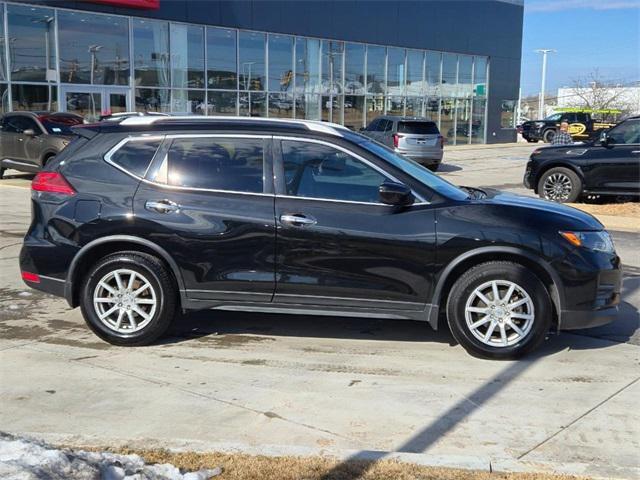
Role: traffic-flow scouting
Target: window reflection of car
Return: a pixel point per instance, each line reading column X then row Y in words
column 28, row 140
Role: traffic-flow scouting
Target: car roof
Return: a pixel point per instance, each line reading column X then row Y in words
column 193, row 122
column 405, row 118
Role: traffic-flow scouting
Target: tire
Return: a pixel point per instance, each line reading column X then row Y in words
column 528, row 288
column 2, row 170
column 560, row 185
column 548, row 135
column 158, row 300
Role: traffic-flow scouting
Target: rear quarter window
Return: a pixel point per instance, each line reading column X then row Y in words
column 135, row 155
column 418, row 128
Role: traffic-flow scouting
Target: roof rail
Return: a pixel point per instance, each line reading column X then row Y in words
column 313, row 125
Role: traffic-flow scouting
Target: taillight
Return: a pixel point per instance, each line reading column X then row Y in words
column 396, row 139
column 30, row 277
column 52, row 182
column 441, row 138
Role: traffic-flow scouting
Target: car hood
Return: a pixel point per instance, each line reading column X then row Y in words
column 562, row 216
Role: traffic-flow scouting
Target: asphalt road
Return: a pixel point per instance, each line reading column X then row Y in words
column 277, row 384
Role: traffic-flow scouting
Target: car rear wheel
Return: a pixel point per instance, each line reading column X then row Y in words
column 560, row 185
column 499, row 310
column 548, row 136
column 129, row 299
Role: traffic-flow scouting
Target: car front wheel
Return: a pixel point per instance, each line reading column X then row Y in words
column 499, row 310
column 560, row 185
column 129, row 298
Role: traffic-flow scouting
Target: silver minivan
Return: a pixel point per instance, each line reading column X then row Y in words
column 414, row 137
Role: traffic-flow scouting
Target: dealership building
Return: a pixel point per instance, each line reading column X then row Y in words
column 455, row 62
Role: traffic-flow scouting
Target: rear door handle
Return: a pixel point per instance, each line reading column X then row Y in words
column 297, row 220
column 635, row 151
column 162, row 206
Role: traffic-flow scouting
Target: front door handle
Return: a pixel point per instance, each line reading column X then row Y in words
column 162, row 206
column 635, row 151
column 297, row 220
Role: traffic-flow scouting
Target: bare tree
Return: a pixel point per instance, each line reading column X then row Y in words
column 595, row 93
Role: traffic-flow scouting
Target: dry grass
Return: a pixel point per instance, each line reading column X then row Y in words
column 250, row 467
column 630, row 209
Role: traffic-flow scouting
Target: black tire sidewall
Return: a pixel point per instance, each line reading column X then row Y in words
column 161, row 318
column 513, row 272
column 576, row 183
column 548, row 135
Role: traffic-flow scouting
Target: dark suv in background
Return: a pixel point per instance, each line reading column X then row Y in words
column 609, row 166
column 138, row 219
column 28, row 140
column 413, row 137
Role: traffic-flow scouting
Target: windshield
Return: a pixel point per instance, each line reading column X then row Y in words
column 417, row 171
column 60, row 124
column 555, row 117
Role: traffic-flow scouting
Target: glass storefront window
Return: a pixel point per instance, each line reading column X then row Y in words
column 374, row 107
column 151, row 53
column 332, row 53
column 376, row 69
column 221, row 103
column 354, row 112
column 480, row 77
column 152, row 100
column 307, row 106
column 507, row 114
column 477, row 120
column 187, row 56
column 32, row 46
column 251, row 61
column 307, row 66
column 3, row 57
column 221, row 59
column 395, row 71
column 252, row 104
column 463, row 118
column 280, row 64
column 432, row 108
column 415, row 64
column 413, row 107
column 449, row 74
column 4, row 98
column 332, row 108
column 354, row 69
column 188, row 101
column 465, row 66
column 34, row 97
column 447, row 112
column 281, row 105
column 433, row 61
column 96, row 48
column 395, row 105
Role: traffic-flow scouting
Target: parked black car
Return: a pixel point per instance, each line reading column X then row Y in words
column 607, row 166
column 28, row 140
column 581, row 127
column 141, row 218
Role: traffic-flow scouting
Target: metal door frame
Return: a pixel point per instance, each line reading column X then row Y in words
column 103, row 90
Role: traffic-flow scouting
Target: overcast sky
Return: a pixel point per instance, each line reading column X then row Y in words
column 587, row 34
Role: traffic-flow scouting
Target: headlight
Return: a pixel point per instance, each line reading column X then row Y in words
column 596, row 241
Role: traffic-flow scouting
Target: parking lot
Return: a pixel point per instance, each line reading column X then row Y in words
column 277, row 384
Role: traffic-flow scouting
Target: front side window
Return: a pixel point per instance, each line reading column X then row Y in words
column 626, row 133
column 19, row 124
column 135, row 155
column 319, row 171
column 233, row 164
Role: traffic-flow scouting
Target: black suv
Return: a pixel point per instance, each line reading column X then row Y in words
column 139, row 219
column 608, row 166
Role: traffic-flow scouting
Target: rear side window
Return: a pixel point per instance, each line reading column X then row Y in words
column 418, row 128
column 135, row 155
column 233, row 164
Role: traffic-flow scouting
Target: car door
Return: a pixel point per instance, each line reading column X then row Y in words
column 8, row 136
column 615, row 167
column 209, row 202
column 27, row 147
column 337, row 245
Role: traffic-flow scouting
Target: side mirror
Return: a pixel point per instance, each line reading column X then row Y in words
column 29, row 132
column 393, row 193
column 604, row 138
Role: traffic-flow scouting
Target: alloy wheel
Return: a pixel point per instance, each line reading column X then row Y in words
column 499, row 313
column 125, row 301
column 557, row 187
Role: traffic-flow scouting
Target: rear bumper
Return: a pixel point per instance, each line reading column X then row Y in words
column 430, row 158
column 53, row 286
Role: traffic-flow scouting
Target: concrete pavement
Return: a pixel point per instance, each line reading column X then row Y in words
column 279, row 384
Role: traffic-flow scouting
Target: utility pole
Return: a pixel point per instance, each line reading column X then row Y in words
column 544, row 52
